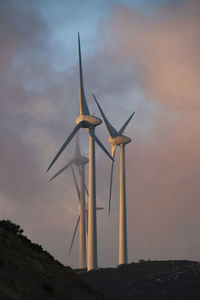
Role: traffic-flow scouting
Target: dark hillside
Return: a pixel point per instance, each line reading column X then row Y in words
column 149, row 280
column 27, row 272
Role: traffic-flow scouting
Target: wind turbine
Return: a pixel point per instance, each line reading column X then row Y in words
column 86, row 210
column 118, row 139
column 80, row 161
column 77, row 223
column 85, row 120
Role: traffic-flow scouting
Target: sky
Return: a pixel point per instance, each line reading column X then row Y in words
column 140, row 56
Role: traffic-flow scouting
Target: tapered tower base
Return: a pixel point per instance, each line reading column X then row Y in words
column 82, row 256
column 123, row 253
column 92, row 226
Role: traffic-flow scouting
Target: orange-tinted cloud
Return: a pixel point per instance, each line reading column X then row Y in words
column 163, row 166
column 145, row 62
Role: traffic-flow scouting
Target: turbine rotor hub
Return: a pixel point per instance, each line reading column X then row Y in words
column 90, row 121
column 119, row 140
column 79, row 208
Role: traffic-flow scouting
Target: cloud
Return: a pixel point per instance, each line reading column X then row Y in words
column 146, row 62
column 163, row 48
column 162, row 164
column 30, row 91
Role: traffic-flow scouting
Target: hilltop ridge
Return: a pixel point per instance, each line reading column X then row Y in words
column 27, row 272
column 149, row 280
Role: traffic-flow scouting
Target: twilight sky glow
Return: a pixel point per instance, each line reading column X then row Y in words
column 140, row 56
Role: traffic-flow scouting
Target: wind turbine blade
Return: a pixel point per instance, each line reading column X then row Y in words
column 113, row 147
column 99, row 143
column 125, row 124
column 65, row 144
column 62, row 170
column 79, row 170
column 76, row 183
column 111, row 179
column 75, row 230
column 112, row 131
column 77, row 147
column 99, row 208
column 86, row 189
column 83, row 104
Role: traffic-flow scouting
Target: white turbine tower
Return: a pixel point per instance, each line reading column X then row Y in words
column 118, row 139
column 80, row 161
column 85, row 120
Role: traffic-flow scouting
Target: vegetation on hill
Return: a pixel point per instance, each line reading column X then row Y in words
column 18, row 231
column 149, row 280
column 27, row 272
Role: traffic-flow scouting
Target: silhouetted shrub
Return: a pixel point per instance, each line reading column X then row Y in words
column 142, row 261
column 11, row 227
column 17, row 230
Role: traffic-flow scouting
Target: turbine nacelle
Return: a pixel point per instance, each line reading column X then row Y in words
column 89, row 121
column 119, row 140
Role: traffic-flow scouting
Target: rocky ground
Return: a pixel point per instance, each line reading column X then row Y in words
column 27, row 272
column 149, row 280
